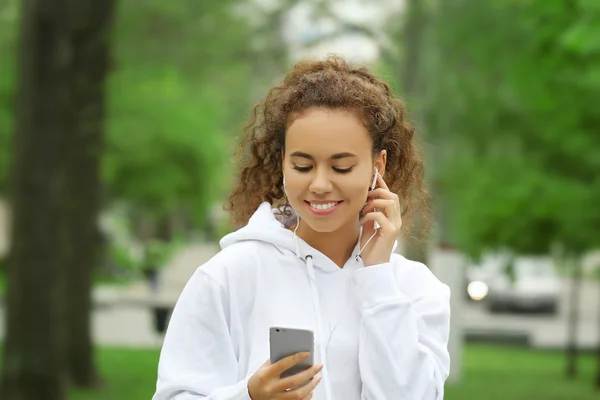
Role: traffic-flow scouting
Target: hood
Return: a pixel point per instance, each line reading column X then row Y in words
column 266, row 225
column 269, row 225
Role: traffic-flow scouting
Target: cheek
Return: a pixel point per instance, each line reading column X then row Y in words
column 357, row 192
column 296, row 185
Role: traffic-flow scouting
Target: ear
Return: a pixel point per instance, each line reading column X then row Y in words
column 380, row 162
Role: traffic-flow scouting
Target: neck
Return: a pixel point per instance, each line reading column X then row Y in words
column 337, row 245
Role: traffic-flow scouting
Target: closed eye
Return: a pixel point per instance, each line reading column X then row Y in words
column 308, row 168
column 343, row 170
column 302, row 169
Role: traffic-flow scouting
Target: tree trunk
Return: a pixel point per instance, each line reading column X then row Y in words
column 440, row 130
column 90, row 69
column 573, row 319
column 415, row 245
column 32, row 360
column 55, row 198
column 597, row 383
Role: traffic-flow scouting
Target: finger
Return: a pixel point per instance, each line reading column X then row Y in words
column 387, row 227
column 286, row 363
column 382, row 193
column 304, row 391
column 381, row 183
column 390, row 208
column 299, row 378
column 368, row 229
column 382, row 204
column 308, row 397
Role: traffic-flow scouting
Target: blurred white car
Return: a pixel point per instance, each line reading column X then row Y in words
column 480, row 275
column 504, row 283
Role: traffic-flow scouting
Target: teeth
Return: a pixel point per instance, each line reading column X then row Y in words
column 323, row 206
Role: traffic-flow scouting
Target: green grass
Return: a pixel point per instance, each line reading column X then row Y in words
column 126, row 374
column 503, row 373
column 490, row 373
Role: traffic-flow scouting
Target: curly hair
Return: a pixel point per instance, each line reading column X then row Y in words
column 331, row 84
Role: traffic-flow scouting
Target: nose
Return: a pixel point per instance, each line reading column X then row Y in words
column 321, row 183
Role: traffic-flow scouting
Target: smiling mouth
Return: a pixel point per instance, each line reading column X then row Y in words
column 323, row 206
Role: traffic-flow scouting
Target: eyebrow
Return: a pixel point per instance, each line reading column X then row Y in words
column 336, row 156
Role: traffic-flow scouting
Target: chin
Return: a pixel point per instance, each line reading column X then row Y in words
column 321, row 226
column 325, row 225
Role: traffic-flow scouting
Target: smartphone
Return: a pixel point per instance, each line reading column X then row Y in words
column 288, row 341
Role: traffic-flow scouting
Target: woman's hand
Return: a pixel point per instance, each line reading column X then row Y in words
column 382, row 206
column 266, row 383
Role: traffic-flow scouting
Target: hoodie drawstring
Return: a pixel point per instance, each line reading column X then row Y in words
column 315, row 298
column 322, row 344
column 296, row 236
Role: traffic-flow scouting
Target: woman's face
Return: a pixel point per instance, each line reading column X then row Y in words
column 328, row 167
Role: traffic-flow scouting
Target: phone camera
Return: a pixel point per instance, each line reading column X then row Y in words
column 276, row 330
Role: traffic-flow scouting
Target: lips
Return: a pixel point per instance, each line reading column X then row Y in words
column 322, row 208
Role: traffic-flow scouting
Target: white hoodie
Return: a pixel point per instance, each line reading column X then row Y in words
column 383, row 328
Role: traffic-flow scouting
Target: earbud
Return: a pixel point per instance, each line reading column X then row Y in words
column 284, row 188
column 375, row 178
column 375, row 224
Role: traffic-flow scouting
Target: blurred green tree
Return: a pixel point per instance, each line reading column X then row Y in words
column 415, row 25
column 512, row 113
column 181, row 81
column 9, row 18
column 91, row 41
column 54, row 188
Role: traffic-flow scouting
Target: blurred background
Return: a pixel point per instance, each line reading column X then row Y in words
column 118, row 122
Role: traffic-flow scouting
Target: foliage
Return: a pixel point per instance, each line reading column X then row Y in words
column 122, row 257
column 126, row 265
column 512, row 118
column 8, row 34
column 158, row 253
column 165, row 142
column 179, row 85
column 126, row 256
column 174, row 92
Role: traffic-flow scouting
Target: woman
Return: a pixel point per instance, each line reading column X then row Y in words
column 310, row 256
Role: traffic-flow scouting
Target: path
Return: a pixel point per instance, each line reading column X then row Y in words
column 122, row 316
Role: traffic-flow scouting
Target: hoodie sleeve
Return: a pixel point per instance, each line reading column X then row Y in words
column 197, row 359
column 402, row 342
